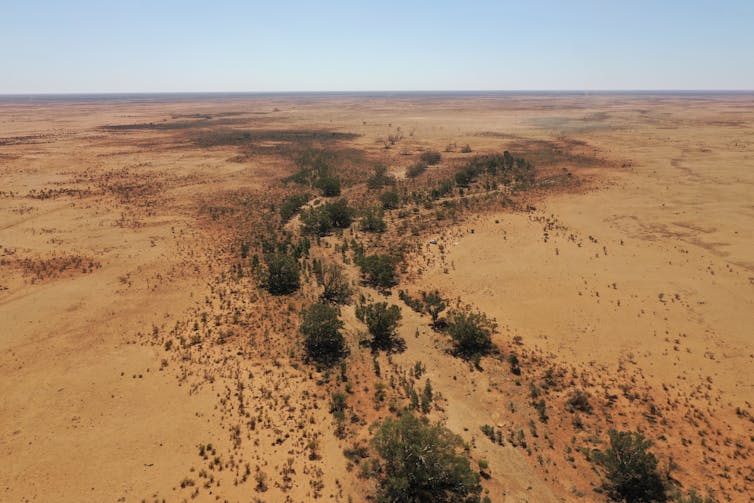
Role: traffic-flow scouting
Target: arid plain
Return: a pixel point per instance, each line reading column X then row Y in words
column 140, row 360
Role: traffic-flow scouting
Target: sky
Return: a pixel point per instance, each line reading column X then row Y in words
column 88, row 46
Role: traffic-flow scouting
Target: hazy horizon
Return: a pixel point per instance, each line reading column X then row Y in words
column 230, row 46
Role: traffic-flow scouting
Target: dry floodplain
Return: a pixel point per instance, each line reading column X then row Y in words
column 147, row 355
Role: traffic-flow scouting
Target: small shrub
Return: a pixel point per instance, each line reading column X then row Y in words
column 416, row 169
column 390, row 200
column 579, row 401
column 431, row 157
column 372, row 221
column 380, row 178
column 338, row 405
column 471, row 333
column 282, row 274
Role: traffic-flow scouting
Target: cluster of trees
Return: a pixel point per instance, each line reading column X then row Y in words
column 314, row 170
column 323, row 219
column 291, row 205
column 504, row 167
column 378, row 270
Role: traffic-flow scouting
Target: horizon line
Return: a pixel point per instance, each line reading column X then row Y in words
column 383, row 91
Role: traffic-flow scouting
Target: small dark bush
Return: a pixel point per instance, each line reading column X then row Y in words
column 282, row 274
column 322, row 338
column 579, row 401
column 416, row 169
column 430, row 158
column 372, row 221
column 390, row 200
column 471, row 333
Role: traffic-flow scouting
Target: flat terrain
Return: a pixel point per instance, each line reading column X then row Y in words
column 129, row 340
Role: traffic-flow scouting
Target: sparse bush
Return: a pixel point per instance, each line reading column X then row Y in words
column 431, row 157
column 282, row 274
column 381, row 321
column 291, row 205
column 322, row 338
column 390, row 200
column 471, row 332
column 434, row 304
column 338, row 405
column 372, row 221
column 316, row 221
column 335, row 284
column 579, row 401
column 423, row 462
column 380, row 178
column 630, row 469
column 416, row 169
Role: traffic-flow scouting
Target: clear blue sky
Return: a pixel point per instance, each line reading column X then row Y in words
column 232, row 45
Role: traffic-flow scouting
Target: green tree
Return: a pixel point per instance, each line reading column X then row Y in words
column 378, row 270
column 282, row 274
column 340, row 213
column 329, row 185
column 320, row 327
column 630, row 469
column 381, row 321
column 316, row 221
column 423, row 462
column 471, row 332
column 291, row 205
